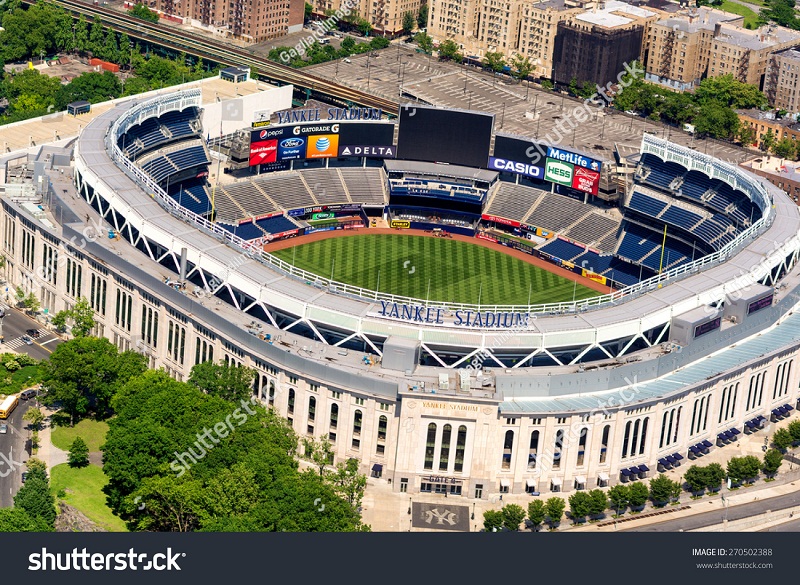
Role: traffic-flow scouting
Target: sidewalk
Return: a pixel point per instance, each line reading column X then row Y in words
column 48, row 452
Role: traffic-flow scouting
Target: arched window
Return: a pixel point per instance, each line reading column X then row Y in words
column 534, row 450
column 271, row 392
column 582, row 446
column 644, row 435
column 626, row 439
column 334, row 415
column 444, row 450
column 508, row 447
column 312, row 408
column 557, row 450
column 430, row 446
column 461, row 445
column 604, row 443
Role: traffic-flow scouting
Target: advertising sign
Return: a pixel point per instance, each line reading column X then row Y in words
column 516, row 167
column 322, row 146
column 400, row 223
column 368, row 150
column 292, row 148
column 323, row 215
column 558, row 172
column 586, row 180
column 498, row 219
column 593, row 276
column 263, row 152
column 573, row 158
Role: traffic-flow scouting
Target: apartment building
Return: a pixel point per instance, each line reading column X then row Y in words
column 248, row 20
column 699, row 43
column 782, row 87
column 594, row 45
column 386, row 16
column 764, row 121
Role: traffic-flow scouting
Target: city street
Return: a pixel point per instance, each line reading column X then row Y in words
column 13, row 453
column 16, row 324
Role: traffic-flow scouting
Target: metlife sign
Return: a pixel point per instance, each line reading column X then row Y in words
column 573, row 158
column 516, row 167
column 558, row 172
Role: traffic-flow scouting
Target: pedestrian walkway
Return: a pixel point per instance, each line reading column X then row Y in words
column 48, row 452
column 40, row 336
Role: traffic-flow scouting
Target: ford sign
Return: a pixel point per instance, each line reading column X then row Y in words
column 292, row 143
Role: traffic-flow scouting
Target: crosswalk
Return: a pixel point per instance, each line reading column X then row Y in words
column 17, row 342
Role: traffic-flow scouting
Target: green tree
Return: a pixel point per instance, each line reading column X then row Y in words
column 142, row 12
column 448, row 51
column 309, row 10
column 619, row 498
column 555, row 507
column 82, row 34
column 19, row 520
column 424, row 42
column 35, row 465
column 696, row 478
column 638, row 493
column 768, row 141
column 782, row 439
column 784, row 148
column 347, row 482
column 34, row 497
column 661, row 489
column 773, row 459
column 124, row 55
column 493, row 60
column 746, row 135
column 715, row 475
column 537, row 512
column 364, row 27
column 34, row 417
column 347, row 45
column 492, row 520
column 97, row 37
column 409, row 21
column 794, row 430
column 93, row 87
column 521, row 66
column 320, row 452
column 729, row 91
column 422, row 16
column 110, row 46
column 743, row 468
column 716, row 120
column 230, row 382
column 32, row 303
column 547, row 85
column 88, row 371
column 580, row 504
column 375, row 44
column 598, row 502
column 513, row 515
column 78, row 453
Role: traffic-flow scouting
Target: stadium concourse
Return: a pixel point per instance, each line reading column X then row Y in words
column 697, row 350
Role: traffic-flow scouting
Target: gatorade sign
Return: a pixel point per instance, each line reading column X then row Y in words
column 558, row 172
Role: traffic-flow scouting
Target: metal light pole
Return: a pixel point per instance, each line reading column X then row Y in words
column 503, row 115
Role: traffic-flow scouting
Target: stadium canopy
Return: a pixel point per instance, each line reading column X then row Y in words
column 439, row 170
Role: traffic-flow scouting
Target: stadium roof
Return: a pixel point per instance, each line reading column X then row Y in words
column 443, row 170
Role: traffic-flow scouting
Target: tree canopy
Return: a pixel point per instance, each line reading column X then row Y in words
column 230, row 382
column 199, row 462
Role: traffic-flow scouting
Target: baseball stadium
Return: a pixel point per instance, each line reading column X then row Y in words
column 464, row 311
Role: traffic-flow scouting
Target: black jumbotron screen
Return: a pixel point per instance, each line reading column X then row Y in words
column 436, row 135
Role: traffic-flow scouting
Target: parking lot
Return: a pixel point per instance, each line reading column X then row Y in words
column 402, row 74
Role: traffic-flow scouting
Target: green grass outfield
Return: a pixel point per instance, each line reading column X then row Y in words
column 458, row 272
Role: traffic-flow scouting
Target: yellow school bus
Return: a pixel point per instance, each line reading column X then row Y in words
column 8, row 405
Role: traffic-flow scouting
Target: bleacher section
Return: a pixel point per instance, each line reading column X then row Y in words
column 365, row 185
column 658, row 173
column 163, row 165
column 645, row 204
column 326, row 185
column 193, row 195
column 287, row 190
column 593, row 228
column 244, row 199
column 155, row 131
column 681, row 217
column 643, row 246
column 513, row 201
column 276, row 225
column 562, row 249
column 556, row 212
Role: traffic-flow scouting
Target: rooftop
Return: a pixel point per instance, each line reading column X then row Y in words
column 612, row 14
column 701, row 19
column 774, row 165
column 762, row 38
column 769, row 116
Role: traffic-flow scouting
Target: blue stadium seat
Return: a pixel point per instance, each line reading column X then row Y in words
column 562, row 249
column 276, row 225
column 647, row 205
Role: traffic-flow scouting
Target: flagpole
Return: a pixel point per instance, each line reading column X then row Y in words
column 663, row 245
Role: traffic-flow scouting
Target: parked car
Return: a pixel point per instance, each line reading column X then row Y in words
column 24, row 476
column 3, row 429
column 34, row 333
column 27, row 394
